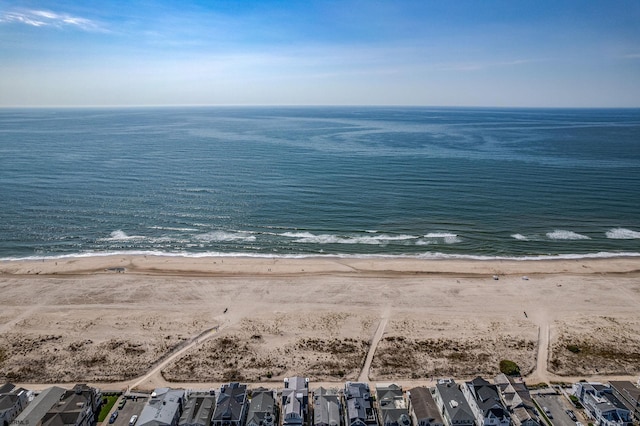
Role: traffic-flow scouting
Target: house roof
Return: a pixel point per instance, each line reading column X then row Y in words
column 295, row 397
column 359, row 402
column 389, row 396
column 615, row 401
column 487, row 397
column 261, row 408
column 424, row 407
column 72, row 408
column 326, row 407
column 455, row 404
column 396, row 416
column 230, row 403
column 6, row 388
column 627, row 389
column 198, row 409
column 162, row 408
column 41, row 404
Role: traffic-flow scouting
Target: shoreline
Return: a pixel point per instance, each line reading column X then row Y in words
column 275, row 266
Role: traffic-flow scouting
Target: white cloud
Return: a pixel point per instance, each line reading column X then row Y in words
column 46, row 18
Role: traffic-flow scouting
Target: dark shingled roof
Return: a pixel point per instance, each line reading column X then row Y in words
column 424, row 407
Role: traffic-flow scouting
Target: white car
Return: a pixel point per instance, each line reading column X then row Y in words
column 133, row 420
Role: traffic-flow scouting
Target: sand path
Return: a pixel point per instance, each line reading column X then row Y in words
column 364, row 373
column 541, row 373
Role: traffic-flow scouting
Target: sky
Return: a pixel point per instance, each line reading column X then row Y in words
column 503, row 53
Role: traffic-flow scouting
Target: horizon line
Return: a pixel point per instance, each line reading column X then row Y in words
column 116, row 106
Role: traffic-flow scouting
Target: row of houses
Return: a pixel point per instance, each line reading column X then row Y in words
column 505, row 402
column 478, row 402
column 475, row 403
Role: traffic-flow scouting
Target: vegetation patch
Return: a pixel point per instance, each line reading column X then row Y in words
column 509, row 368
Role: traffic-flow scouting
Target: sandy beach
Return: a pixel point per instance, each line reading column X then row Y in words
column 144, row 321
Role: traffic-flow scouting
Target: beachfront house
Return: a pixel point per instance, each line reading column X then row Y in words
column 629, row 394
column 484, row 399
column 36, row 409
column 164, row 408
column 295, row 401
column 359, row 405
column 423, row 408
column 392, row 406
column 77, row 407
column 262, row 408
column 12, row 401
column 602, row 405
column 517, row 398
column 452, row 404
column 327, row 409
column 231, row 405
column 198, row 409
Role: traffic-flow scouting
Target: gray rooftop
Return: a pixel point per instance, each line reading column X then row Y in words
column 163, row 408
column 41, row 404
column 230, row 403
column 629, row 392
column 295, row 400
column 326, row 407
column 262, row 408
column 198, row 409
column 517, row 397
column 10, row 396
column 455, row 404
column 359, row 404
column 424, row 407
column 393, row 409
column 6, row 388
column 487, row 397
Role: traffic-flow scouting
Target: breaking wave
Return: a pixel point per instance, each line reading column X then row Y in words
column 566, row 235
column 622, row 234
column 218, row 236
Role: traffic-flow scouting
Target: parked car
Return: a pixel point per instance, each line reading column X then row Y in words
column 122, row 402
column 113, row 417
column 547, row 412
column 133, row 420
column 572, row 415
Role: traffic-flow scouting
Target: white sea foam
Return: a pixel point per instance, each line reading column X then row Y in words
column 520, row 237
column 120, row 235
column 297, row 234
column 376, row 239
column 566, row 235
column 622, row 234
column 446, row 237
column 171, row 228
column 221, row 236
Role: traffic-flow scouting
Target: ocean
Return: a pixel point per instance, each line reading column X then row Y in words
column 318, row 181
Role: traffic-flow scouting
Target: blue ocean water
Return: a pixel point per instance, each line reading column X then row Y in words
column 348, row 181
